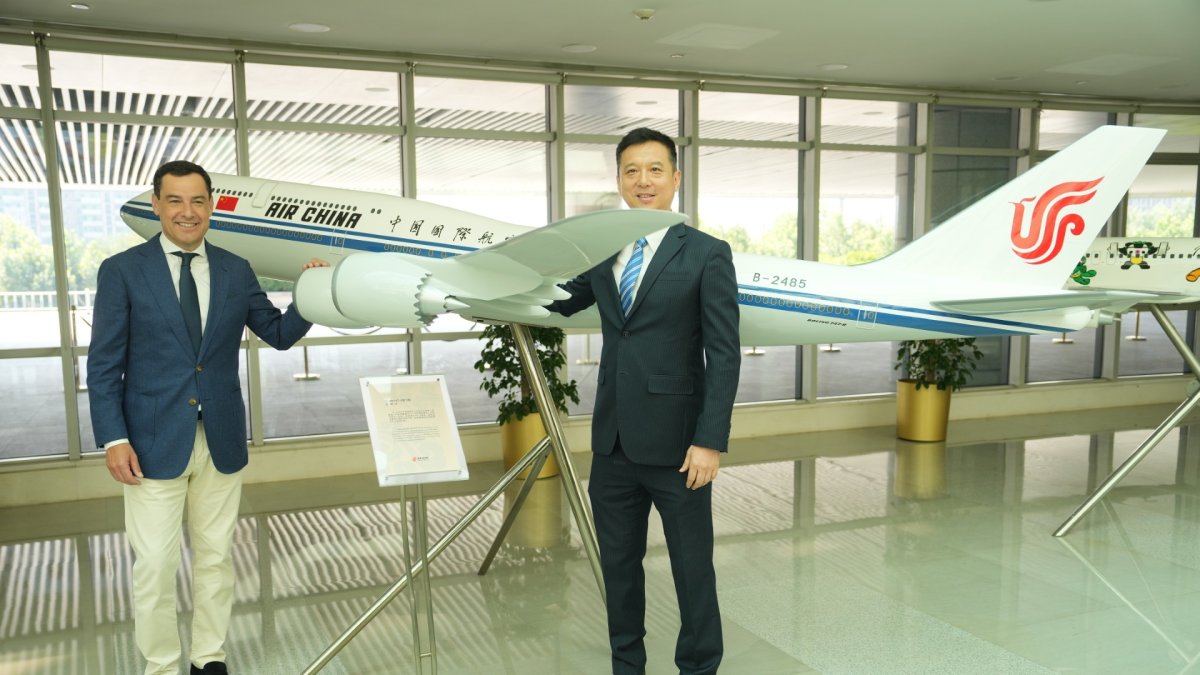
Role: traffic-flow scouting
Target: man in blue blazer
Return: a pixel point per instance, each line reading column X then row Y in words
column 668, row 375
column 167, row 407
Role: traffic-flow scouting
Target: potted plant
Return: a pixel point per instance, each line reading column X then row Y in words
column 517, row 412
column 934, row 369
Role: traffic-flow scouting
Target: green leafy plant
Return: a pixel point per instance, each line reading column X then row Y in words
column 946, row 363
column 502, row 374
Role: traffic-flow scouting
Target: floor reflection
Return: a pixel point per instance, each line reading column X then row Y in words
column 836, row 553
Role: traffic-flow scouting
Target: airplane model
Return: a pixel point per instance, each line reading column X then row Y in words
column 996, row 268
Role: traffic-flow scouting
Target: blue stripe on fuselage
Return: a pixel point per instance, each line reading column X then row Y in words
column 810, row 303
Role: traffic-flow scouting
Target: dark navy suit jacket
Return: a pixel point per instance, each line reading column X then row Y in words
column 669, row 371
column 145, row 382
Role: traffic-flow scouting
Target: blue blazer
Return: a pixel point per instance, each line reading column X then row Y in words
column 145, row 382
column 669, row 371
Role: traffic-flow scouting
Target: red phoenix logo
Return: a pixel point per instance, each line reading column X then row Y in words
column 1039, row 238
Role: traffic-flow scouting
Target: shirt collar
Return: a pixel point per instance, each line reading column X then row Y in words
column 655, row 239
column 169, row 247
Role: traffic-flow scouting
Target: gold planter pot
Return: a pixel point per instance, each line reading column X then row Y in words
column 920, row 471
column 518, row 436
column 921, row 414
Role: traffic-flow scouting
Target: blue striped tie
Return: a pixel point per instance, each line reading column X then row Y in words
column 630, row 276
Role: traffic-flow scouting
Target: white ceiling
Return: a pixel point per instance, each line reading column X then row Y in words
column 1113, row 49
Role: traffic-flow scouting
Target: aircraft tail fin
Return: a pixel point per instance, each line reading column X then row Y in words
column 1033, row 230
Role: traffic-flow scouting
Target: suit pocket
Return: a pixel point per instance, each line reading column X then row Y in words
column 679, row 385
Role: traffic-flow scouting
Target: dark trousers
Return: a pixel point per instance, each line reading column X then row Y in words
column 621, row 494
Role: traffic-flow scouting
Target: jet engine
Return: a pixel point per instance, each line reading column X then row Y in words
column 370, row 289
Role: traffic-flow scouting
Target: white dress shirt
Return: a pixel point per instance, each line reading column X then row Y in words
column 653, row 241
column 199, row 273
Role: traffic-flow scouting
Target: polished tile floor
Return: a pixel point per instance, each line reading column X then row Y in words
column 845, row 552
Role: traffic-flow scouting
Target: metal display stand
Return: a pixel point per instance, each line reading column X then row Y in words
column 554, row 441
column 1155, row 437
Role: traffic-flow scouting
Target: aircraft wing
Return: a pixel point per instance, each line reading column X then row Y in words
column 509, row 281
column 528, row 267
column 1117, row 301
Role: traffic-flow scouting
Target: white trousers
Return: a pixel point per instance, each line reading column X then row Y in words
column 153, row 524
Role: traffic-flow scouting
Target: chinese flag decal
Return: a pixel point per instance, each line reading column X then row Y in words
column 1038, row 234
column 227, row 203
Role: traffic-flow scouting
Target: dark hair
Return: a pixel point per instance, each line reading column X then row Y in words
column 180, row 167
column 647, row 135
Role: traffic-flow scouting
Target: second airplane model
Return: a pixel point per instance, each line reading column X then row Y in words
column 997, row 268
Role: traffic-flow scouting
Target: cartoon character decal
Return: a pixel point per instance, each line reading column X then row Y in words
column 1137, row 252
column 1082, row 275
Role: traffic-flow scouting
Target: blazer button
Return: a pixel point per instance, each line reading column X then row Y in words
column 624, row 333
column 192, row 401
column 199, row 369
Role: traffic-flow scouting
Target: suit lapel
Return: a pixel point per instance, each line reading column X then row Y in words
column 218, row 285
column 607, row 298
column 671, row 245
column 162, row 287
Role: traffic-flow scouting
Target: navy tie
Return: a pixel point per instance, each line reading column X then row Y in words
column 630, row 276
column 189, row 301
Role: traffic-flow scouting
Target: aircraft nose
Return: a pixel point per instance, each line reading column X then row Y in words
column 139, row 216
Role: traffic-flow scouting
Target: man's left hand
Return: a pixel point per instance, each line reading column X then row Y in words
column 314, row 262
column 700, row 465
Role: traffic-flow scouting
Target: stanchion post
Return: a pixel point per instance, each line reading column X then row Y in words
column 307, row 374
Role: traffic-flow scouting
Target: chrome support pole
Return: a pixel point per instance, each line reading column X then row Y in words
column 399, row 585
column 542, row 449
column 566, row 466
column 1155, row 437
column 570, row 478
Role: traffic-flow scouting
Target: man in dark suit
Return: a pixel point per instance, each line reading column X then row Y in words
column 668, row 374
column 167, row 408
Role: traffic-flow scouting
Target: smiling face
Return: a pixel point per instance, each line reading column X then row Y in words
column 646, row 178
column 183, row 205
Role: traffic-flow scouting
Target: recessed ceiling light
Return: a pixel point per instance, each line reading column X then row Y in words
column 80, row 5
column 678, row 56
column 309, row 27
column 377, row 90
column 578, row 48
column 832, row 66
column 1081, row 82
column 1006, row 78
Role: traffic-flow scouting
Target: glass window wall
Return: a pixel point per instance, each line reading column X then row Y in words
column 615, row 110
column 130, row 85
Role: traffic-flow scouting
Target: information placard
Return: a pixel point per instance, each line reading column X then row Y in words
column 413, row 433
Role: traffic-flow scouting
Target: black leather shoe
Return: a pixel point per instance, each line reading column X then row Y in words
column 211, row 668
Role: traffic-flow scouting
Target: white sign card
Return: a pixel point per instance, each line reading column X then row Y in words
column 413, row 433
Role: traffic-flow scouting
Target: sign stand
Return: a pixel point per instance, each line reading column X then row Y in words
column 554, row 441
column 422, row 649
column 1155, row 437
